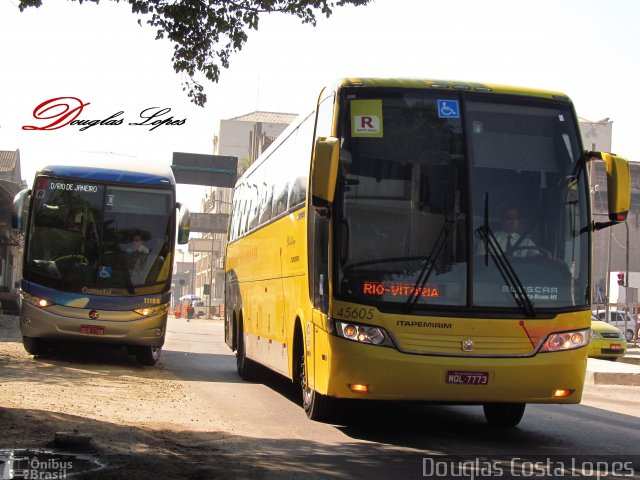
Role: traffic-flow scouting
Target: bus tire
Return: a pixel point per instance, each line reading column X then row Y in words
column 148, row 356
column 247, row 368
column 315, row 405
column 504, row 414
column 33, row 346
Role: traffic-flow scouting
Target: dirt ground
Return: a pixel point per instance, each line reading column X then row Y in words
column 143, row 424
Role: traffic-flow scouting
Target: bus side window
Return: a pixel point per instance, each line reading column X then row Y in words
column 281, row 184
column 255, row 200
column 283, row 165
column 301, row 162
column 244, row 210
column 242, row 220
column 234, row 228
column 266, row 203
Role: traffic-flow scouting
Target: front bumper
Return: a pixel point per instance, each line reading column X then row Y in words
column 119, row 327
column 392, row 375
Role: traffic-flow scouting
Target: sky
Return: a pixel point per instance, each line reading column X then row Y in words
column 99, row 54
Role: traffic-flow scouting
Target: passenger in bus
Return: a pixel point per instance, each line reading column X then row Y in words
column 138, row 254
column 137, row 244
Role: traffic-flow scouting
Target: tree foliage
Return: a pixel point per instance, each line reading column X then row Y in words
column 206, row 32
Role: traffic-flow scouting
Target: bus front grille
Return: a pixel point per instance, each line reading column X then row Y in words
column 433, row 344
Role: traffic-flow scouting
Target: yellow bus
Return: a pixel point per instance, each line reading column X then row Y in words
column 367, row 254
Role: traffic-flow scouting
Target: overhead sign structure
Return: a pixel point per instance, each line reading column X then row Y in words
column 207, row 170
column 209, row 222
column 204, row 245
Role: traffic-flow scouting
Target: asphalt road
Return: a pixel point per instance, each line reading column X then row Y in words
column 399, row 440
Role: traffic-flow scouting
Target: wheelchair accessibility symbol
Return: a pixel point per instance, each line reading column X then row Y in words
column 104, row 272
column 448, row 109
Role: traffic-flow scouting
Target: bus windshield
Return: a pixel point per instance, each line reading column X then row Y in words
column 429, row 181
column 95, row 236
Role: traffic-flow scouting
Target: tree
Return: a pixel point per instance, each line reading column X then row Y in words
column 207, row 32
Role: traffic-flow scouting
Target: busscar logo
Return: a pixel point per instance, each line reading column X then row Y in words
column 60, row 112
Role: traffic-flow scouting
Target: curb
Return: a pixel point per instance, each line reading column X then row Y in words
column 624, row 371
column 630, row 360
column 609, row 378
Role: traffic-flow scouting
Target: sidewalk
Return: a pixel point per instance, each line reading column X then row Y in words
column 625, row 371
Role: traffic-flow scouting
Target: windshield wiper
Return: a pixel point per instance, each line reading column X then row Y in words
column 429, row 265
column 508, row 273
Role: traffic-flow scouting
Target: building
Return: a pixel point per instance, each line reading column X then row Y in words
column 610, row 254
column 244, row 137
column 11, row 242
column 247, row 136
column 596, row 136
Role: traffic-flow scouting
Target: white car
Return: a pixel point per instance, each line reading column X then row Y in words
column 617, row 320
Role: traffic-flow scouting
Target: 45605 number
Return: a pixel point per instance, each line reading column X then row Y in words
column 355, row 313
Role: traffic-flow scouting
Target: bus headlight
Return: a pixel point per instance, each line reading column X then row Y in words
column 557, row 342
column 152, row 311
column 363, row 333
column 37, row 301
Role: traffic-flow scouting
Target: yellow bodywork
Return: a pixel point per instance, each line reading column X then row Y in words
column 268, row 268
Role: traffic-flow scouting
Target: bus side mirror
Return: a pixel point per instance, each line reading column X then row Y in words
column 618, row 184
column 324, row 172
column 18, row 212
column 184, row 224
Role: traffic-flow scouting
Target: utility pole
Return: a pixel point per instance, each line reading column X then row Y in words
column 193, row 273
column 606, row 284
column 626, row 282
column 210, row 276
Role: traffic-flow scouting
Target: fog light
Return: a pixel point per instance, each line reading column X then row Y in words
column 359, row 388
column 561, row 393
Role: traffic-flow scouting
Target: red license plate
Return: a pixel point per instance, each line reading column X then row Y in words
column 92, row 329
column 616, row 346
column 467, row 378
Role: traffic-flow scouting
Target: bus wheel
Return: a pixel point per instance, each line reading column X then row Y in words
column 316, row 405
column 247, row 369
column 504, row 414
column 32, row 345
column 148, row 356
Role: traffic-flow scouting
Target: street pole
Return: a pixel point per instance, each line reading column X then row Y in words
column 193, row 273
column 606, row 284
column 210, row 276
column 626, row 283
